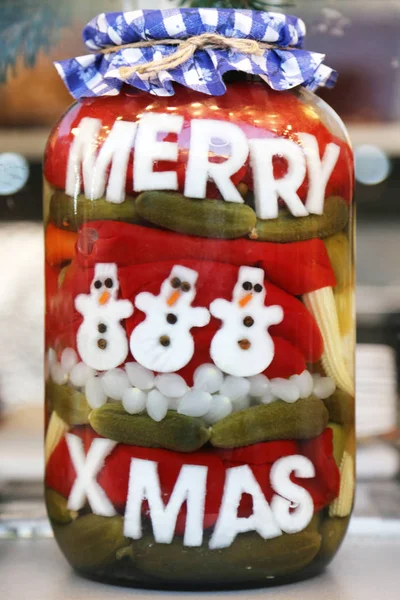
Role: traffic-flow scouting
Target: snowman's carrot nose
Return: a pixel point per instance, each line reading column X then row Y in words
column 245, row 300
column 104, row 298
column 174, row 297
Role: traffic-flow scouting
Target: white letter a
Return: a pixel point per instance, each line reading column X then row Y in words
column 239, row 481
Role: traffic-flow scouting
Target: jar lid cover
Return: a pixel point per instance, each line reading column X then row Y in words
column 151, row 49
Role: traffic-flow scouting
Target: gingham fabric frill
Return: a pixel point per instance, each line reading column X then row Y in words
column 98, row 74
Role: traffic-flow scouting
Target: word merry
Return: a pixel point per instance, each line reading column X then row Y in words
column 290, row 510
column 105, row 171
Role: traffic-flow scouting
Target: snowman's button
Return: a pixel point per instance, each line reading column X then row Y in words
column 102, row 328
column 97, row 284
column 247, row 286
column 165, row 341
column 172, row 319
column 102, row 344
column 244, row 344
column 109, row 283
column 186, row 287
column 248, row 321
column 258, row 288
column 176, row 283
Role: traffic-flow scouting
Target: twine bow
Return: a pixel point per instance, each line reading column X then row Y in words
column 185, row 51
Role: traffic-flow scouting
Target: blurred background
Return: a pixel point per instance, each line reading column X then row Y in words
column 361, row 40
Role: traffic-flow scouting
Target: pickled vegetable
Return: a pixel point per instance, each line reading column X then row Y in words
column 332, row 533
column 302, row 420
column 339, row 251
column 287, row 228
column 340, row 407
column 57, row 508
column 69, row 404
column 175, row 432
column 339, row 441
column 70, row 214
column 92, row 541
column 342, row 506
column 203, row 218
column 249, row 558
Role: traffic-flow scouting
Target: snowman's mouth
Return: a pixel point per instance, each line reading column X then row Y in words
column 244, row 344
column 165, row 341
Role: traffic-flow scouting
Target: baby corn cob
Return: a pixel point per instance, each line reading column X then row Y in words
column 341, row 507
column 322, row 306
column 55, row 432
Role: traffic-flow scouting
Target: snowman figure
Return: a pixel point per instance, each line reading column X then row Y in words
column 243, row 346
column 163, row 341
column 102, row 341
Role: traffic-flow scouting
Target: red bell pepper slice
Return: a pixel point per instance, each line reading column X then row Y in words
column 298, row 267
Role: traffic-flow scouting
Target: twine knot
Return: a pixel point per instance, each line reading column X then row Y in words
column 186, row 50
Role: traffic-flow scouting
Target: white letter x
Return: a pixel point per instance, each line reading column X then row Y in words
column 87, row 468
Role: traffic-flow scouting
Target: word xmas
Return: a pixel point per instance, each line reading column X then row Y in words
column 290, row 511
column 105, row 171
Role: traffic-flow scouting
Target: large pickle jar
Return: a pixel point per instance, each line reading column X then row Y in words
column 200, row 319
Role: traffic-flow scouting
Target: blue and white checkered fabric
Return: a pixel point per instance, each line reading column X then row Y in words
column 98, row 74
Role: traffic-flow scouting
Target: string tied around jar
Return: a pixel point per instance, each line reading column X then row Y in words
column 186, row 49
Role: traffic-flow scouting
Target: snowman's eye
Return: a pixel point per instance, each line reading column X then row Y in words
column 247, row 286
column 108, row 283
column 258, row 288
column 97, row 284
column 176, row 283
column 186, row 287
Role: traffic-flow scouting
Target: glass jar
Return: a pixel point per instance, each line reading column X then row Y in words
column 200, row 336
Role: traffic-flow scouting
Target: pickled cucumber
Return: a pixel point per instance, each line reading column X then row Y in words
column 69, row 214
column 339, row 252
column 302, row 420
column 204, row 218
column 175, row 432
column 92, row 541
column 287, row 228
column 57, row 508
column 341, row 408
column 333, row 531
column 69, row 404
column 249, row 558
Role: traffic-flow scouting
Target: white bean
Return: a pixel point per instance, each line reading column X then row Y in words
column 208, row 378
column 134, row 401
column 285, row 390
column 259, row 385
column 94, row 393
column 139, row 376
column 69, row 359
column 171, row 385
column 58, row 374
column 114, row 383
column 157, row 406
column 195, row 403
column 324, row 387
column 235, row 387
column 80, row 374
column 221, row 407
column 304, row 382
